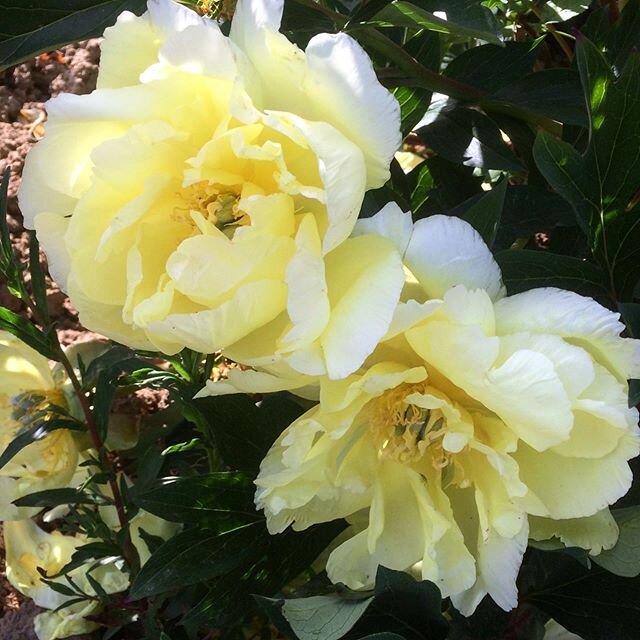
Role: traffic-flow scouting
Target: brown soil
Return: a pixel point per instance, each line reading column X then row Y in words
column 23, row 92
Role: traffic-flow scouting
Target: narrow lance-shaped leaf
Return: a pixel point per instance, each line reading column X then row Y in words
column 37, row 432
column 194, row 556
column 32, row 27
column 200, row 497
column 465, row 18
column 38, row 286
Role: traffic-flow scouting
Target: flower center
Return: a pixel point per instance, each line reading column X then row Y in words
column 34, row 407
column 405, row 432
column 217, row 204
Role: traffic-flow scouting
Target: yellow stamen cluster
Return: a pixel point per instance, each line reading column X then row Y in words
column 219, row 205
column 33, row 407
column 405, row 432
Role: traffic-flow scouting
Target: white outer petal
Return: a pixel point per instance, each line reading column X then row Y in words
column 391, row 223
column 446, row 251
column 168, row 16
column 343, row 88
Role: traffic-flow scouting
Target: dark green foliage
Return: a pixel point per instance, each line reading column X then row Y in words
column 33, row 26
column 535, row 141
column 591, row 602
column 399, row 606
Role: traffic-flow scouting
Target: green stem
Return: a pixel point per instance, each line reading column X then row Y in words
column 129, row 551
column 208, row 366
column 420, row 75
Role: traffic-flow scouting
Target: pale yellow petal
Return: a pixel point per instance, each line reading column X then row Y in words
column 365, row 278
column 595, row 533
column 578, row 487
column 257, row 303
column 579, row 319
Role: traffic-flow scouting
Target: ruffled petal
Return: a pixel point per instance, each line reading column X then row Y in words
column 344, row 90
column 308, row 302
column 578, row 487
column 250, row 381
column 595, row 533
column 520, row 385
column 498, row 563
column 580, row 320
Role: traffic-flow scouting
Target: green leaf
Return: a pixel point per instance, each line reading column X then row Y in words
column 6, row 250
column 529, row 209
column 200, row 498
column 54, row 497
column 91, row 551
column 558, row 162
column 20, row 327
column 634, row 393
column 97, row 587
column 593, row 603
column 466, row 136
column 193, row 556
column 282, row 558
column 554, row 93
column 114, row 360
column 301, row 22
column 244, row 432
column 484, row 216
column 33, row 26
column 37, row 432
column 562, row 10
column 102, row 401
column 406, row 606
column 465, row 18
column 523, row 270
column 624, row 558
column 490, row 67
column 323, row 617
column 631, row 315
column 414, row 101
column 62, row 589
column 422, row 185
column 454, row 183
column 624, row 37
column 602, row 184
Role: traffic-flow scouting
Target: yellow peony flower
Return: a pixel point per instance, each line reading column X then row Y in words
column 27, row 386
column 479, row 421
column 191, row 199
column 28, row 548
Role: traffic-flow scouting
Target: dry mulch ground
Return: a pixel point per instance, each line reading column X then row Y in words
column 23, row 91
